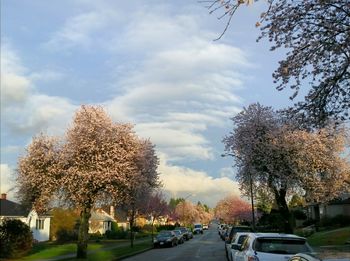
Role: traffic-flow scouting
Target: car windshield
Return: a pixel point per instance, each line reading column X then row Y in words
column 177, row 232
column 165, row 234
column 197, row 226
column 280, row 245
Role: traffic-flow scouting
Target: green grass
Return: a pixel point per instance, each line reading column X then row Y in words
column 116, row 253
column 328, row 238
column 50, row 250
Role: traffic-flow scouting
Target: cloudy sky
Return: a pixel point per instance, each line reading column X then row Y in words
column 152, row 63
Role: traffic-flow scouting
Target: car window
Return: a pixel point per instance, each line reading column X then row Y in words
column 245, row 244
column 241, row 239
column 168, row 234
column 280, row 245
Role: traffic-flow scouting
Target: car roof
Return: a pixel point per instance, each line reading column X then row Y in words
column 243, row 233
column 275, row 235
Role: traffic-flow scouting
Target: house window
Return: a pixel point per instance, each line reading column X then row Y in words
column 39, row 224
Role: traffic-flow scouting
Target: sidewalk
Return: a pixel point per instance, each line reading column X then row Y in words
column 73, row 255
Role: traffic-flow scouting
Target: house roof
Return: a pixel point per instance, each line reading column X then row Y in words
column 340, row 202
column 12, row 209
column 101, row 215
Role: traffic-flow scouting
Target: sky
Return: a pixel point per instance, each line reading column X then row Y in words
column 150, row 63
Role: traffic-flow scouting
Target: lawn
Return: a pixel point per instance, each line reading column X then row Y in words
column 116, row 253
column 331, row 237
column 49, row 250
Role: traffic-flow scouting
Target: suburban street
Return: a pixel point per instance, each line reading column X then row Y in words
column 202, row 247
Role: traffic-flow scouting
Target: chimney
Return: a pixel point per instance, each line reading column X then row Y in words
column 111, row 211
column 3, row 195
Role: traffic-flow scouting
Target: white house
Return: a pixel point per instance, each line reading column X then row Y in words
column 100, row 221
column 39, row 224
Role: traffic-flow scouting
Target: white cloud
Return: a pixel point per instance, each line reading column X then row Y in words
column 227, row 172
column 180, row 181
column 14, row 89
column 7, row 180
column 81, row 30
column 178, row 87
column 23, row 110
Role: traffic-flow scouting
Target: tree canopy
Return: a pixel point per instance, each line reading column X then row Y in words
column 98, row 161
column 281, row 158
column 316, row 35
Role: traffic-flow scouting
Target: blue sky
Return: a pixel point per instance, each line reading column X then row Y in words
column 152, row 63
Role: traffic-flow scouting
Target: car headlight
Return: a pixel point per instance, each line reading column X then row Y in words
column 168, row 240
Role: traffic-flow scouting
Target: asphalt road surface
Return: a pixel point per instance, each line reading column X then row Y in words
column 208, row 246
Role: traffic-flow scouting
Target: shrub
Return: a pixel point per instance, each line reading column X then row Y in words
column 16, row 238
column 165, row 227
column 64, row 235
column 309, row 222
column 95, row 236
column 299, row 214
column 337, row 221
column 116, row 232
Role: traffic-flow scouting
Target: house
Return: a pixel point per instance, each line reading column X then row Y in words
column 100, row 221
column 39, row 224
column 340, row 206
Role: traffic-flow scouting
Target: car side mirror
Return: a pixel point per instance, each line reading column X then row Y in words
column 236, row 246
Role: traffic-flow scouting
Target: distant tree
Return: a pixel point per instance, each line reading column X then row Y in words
column 233, row 209
column 187, row 212
column 141, row 182
column 64, row 224
column 283, row 159
column 156, row 207
column 316, row 35
column 296, row 201
column 263, row 200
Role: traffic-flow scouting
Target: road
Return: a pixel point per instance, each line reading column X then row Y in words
column 208, row 246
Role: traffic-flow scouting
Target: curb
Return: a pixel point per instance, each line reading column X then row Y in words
column 132, row 254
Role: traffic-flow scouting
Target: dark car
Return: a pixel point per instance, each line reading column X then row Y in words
column 165, row 238
column 185, row 232
column 180, row 236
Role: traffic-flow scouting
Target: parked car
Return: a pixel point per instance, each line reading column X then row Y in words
column 197, row 228
column 165, row 238
column 231, row 234
column 180, row 236
column 190, row 234
column 271, row 247
column 312, row 257
column 224, row 232
column 185, row 232
column 205, row 226
column 235, row 245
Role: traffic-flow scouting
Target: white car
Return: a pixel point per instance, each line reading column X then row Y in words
column 197, row 228
column 310, row 257
column 271, row 247
column 236, row 244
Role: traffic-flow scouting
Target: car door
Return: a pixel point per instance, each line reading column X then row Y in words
column 240, row 255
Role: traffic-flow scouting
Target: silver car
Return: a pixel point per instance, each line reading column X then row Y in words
column 271, row 247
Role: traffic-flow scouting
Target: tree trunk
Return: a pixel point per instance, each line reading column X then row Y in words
column 152, row 229
column 132, row 218
column 280, row 197
column 83, row 235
